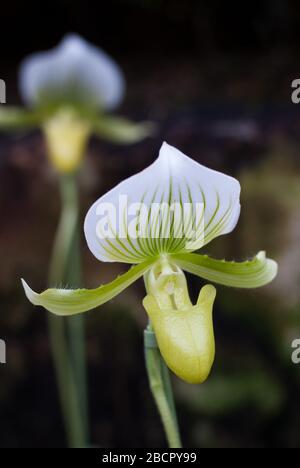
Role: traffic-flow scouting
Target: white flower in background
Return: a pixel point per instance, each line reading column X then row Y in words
column 75, row 70
column 184, row 332
column 69, row 91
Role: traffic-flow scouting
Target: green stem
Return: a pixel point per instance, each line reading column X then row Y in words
column 163, row 396
column 67, row 335
column 65, row 382
column 168, row 388
column 76, row 325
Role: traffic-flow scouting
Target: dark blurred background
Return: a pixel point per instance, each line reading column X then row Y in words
column 216, row 78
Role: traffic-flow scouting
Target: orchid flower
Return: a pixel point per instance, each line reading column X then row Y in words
column 69, row 91
column 133, row 223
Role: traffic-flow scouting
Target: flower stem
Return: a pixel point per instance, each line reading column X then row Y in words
column 65, row 382
column 168, row 388
column 160, row 385
column 67, row 334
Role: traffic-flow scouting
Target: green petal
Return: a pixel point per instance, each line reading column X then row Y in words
column 184, row 332
column 13, row 118
column 119, row 130
column 75, row 301
column 250, row 274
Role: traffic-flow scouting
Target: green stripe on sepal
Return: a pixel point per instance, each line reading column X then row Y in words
column 253, row 273
column 75, row 301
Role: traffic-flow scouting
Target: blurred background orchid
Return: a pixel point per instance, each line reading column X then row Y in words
column 69, row 91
